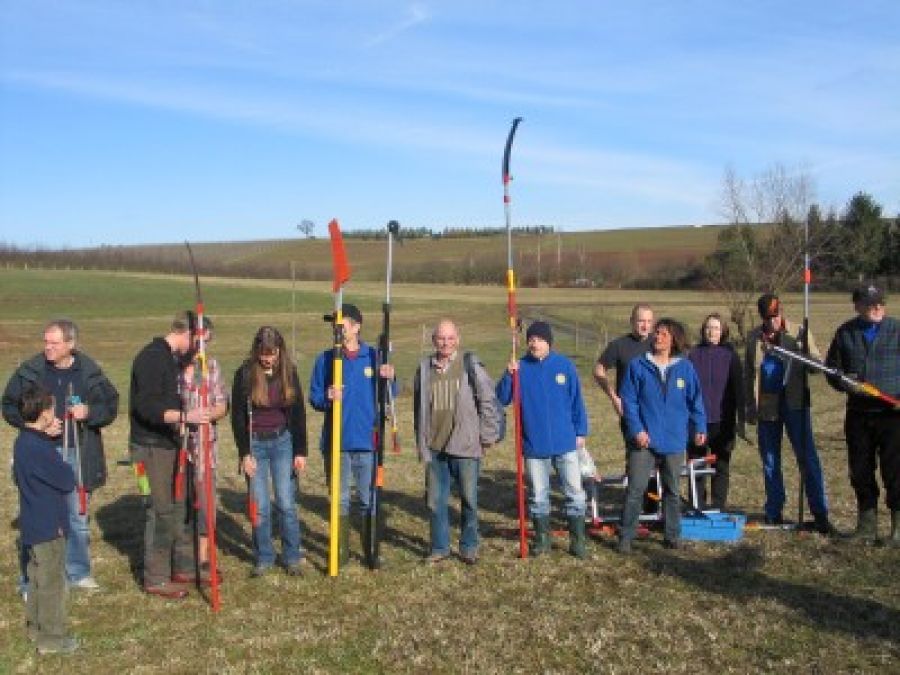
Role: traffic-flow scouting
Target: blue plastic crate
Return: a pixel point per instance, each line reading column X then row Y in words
column 713, row 527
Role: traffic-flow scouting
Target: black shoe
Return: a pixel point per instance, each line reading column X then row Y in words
column 777, row 520
column 823, row 526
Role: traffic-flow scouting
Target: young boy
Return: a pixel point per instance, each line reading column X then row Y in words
column 44, row 480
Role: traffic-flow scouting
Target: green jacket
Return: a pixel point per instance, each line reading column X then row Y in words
column 766, row 407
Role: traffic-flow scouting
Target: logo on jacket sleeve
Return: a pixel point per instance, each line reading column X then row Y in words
column 679, row 383
column 560, row 378
column 367, row 371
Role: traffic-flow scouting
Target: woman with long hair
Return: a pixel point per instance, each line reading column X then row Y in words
column 268, row 419
column 661, row 401
column 722, row 383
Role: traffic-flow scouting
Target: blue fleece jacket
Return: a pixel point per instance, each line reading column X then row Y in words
column 44, row 481
column 358, row 411
column 553, row 411
column 664, row 409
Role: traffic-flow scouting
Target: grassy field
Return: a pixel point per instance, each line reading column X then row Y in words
column 776, row 602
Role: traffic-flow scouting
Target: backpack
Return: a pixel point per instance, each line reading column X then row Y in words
column 469, row 360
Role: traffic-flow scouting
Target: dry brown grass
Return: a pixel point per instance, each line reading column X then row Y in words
column 778, row 601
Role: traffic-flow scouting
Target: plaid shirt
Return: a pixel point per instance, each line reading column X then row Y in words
column 877, row 363
column 189, row 385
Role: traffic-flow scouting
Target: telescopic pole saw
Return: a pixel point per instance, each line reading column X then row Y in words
column 807, row 401
column 206, row 442
column 341, row 275
column 374, row 517
column 512, row 313
column 850, row 383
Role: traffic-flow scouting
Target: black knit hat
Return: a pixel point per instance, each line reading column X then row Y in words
column 540, row 329
column 868, row 295
column 349, row 311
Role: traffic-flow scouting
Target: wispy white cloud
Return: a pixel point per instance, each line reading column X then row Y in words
column 416, row 14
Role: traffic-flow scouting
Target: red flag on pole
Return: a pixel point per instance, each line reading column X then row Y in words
column 338, row 256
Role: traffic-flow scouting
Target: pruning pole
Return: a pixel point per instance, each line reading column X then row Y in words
column 512, row 313
column 341, row 276
column 69, row 422
column 382, row 392
column 252, row 505
column 806, row 419
column 206, row 443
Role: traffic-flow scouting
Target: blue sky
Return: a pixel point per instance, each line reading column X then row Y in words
column 126, row 122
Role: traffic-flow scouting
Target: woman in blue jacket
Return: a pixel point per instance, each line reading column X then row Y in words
column 554, row 425
column 661, row 400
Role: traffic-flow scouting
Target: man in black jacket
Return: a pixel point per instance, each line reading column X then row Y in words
column 84, row 394
column 868, row 348
column 157, row 422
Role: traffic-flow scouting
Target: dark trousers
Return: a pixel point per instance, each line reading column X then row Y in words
column 720, row 441
column 45, row 609
column 641, row 463
column 168, row 545
column 872, row 439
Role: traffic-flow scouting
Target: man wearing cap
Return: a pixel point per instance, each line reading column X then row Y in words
column 554, row 426
column 867, row 347
column 358, row 417
column 778, row 401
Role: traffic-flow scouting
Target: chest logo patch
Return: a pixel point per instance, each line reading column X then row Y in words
column 367, row 371
column 560, row 378
column 679, row 383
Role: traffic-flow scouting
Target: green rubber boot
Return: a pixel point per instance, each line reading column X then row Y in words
column 541, row 542
column 894, row 540
column 866, row 526
column 577, row 543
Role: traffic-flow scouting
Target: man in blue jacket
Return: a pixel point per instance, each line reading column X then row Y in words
column 554, row 426
column 359, row 414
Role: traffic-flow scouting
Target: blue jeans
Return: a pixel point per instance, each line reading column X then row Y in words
column 798, row 425
column 568, row 472
column 78, row 558
column 464, row 470
column 274, row 457
column 359, row 465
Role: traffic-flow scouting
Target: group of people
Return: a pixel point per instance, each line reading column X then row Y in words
column 670, row 401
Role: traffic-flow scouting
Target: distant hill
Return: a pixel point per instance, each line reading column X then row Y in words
column 595, row 258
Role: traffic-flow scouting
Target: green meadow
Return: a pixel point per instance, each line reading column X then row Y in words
column 776, row 601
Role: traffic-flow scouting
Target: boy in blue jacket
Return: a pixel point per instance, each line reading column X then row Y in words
column 359, row 414
column 554, row 426
column 44, row 480
column 661, row 402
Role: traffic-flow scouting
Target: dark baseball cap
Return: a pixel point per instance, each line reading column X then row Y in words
column 868, row 295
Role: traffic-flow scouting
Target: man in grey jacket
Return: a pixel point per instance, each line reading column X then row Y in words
column 456, row 417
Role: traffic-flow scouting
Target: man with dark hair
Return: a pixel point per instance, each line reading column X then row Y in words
column 868, row 348
column 157, row 416
column 778, row 401
column 86, row 401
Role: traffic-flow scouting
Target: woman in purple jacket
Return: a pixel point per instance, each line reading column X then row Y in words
column 721, row 381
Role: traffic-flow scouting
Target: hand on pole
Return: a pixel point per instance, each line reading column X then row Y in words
column 55, row 428
column 642, row 440
column 513, row 365
column 198, row 416
column 335, row 393
column 386, row 371
column 248, row 466
column 699, row 439
column 300, row 463
column 79, row 412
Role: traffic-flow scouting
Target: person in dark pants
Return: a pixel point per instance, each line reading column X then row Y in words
column 44, row 480
column 868, row 348
column 157, row 419
column 718, row 367
column 661, row 401
column 82, row 392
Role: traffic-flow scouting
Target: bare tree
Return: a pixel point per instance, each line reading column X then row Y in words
column 763, row 248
